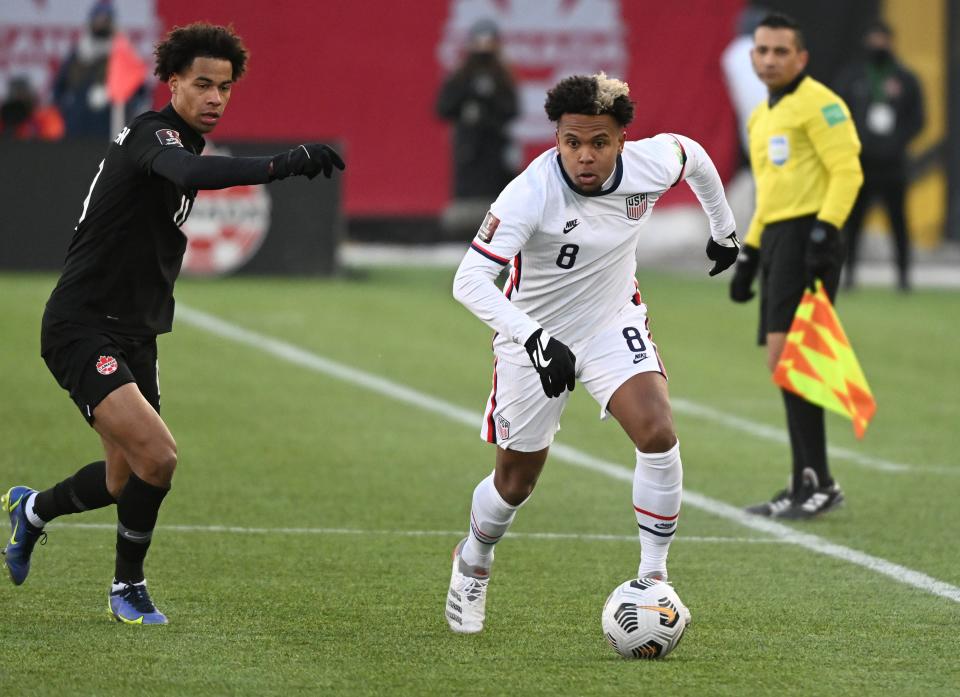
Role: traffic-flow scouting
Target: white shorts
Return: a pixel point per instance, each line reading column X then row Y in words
column 519, row 416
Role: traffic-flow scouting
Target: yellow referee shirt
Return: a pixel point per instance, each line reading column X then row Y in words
column 804, row 152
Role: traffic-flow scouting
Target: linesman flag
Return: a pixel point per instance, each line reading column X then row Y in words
column 126, row 71
column 818, row 362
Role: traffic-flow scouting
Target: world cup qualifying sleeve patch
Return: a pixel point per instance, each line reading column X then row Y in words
column 168, row 136
column 489, row 226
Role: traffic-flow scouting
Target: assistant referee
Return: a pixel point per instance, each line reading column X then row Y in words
column 804, row 152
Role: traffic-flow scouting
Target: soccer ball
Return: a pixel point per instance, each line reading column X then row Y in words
column 644, row 618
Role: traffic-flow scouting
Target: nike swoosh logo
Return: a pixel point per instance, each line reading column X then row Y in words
column 16, row 526
column 541, row 357
column 665, row 611
column 570, row 225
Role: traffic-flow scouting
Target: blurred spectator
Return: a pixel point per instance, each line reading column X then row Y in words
column 744, row 87
column 746, row 91
column 886, row 102
column 80, row 88
column 22, row 116
column 480, row 98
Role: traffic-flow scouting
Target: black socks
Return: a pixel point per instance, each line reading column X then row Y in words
column 808, row 439
column 137, row 510
column 84, row 491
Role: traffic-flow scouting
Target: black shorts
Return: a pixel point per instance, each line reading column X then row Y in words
column 91, row 363
column 783, row 273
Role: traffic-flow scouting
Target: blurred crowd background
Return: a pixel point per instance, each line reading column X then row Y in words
column 435, row 104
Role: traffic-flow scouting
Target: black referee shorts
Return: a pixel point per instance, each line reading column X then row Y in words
column 91, row 363
column 783, row 273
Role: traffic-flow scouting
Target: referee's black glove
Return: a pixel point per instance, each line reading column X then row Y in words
column 309, row 160
column 555, row 363
column 743, row 274
column 723, row 256
column 823, row 253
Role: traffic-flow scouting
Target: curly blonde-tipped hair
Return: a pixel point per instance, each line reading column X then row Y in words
column 591, row 95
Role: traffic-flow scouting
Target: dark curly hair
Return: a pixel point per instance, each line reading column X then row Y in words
column 176, row 52
column 591, row 95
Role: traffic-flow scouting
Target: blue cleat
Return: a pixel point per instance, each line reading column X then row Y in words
column 130, row 603
column 23, row 536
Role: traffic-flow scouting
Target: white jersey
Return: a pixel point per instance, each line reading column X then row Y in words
column 574, row 254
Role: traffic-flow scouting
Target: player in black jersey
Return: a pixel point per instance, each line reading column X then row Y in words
column 115, row 295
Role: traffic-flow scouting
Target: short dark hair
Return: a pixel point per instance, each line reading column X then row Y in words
column 176, row 52
column 778, row 20
column 591, row 95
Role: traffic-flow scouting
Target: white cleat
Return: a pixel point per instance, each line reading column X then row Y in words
column 663, row 578
column 467, row 596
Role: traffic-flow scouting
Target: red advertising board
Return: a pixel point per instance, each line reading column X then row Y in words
column 366, row 74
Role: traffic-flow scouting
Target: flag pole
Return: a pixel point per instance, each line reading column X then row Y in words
column 117, row 110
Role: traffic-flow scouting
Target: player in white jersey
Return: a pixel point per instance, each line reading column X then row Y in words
column 571, row 310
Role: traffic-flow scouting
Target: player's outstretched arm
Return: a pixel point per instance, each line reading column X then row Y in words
column 190, row 171
column 701, row 175
column 307, row 160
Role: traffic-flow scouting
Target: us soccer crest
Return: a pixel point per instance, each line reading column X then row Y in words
column 636, row 206
column 503, row 427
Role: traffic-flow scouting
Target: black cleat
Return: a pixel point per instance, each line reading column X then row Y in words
column 784, row 499
column 820, row 500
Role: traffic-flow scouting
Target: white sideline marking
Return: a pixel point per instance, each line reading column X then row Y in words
column 455, row 534
column 339, row 371
column 778, row 435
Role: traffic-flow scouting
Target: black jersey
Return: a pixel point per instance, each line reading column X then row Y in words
column 127, row 249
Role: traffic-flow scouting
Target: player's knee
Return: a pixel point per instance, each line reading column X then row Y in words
column 657, row 437
column 159, row 463
column 517, row 486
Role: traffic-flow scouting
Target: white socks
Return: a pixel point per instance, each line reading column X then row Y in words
column 657, row 490
column 35, row 520
column 490, row 517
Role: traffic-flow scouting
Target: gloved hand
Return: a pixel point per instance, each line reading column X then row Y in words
column 823, row 253
column 723, row 254
column 743, row 274
column 554, row 362
column 309, row 160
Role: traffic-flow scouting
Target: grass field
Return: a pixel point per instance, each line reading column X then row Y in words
column 305, row 546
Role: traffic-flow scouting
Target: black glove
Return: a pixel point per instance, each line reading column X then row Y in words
column 743, row 274
column 555, row 363
column 722, row 256
column 823, row 253
column 309, row 160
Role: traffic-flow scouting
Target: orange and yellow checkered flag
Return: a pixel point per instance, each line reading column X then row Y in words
column 818, row 362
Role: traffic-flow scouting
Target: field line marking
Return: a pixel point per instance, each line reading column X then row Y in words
column 388, row 388
column 454, row 534
column 778, row 435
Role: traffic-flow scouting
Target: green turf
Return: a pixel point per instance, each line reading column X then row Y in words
column 264, row 444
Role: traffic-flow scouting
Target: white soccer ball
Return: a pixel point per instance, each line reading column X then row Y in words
column 644, row 618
